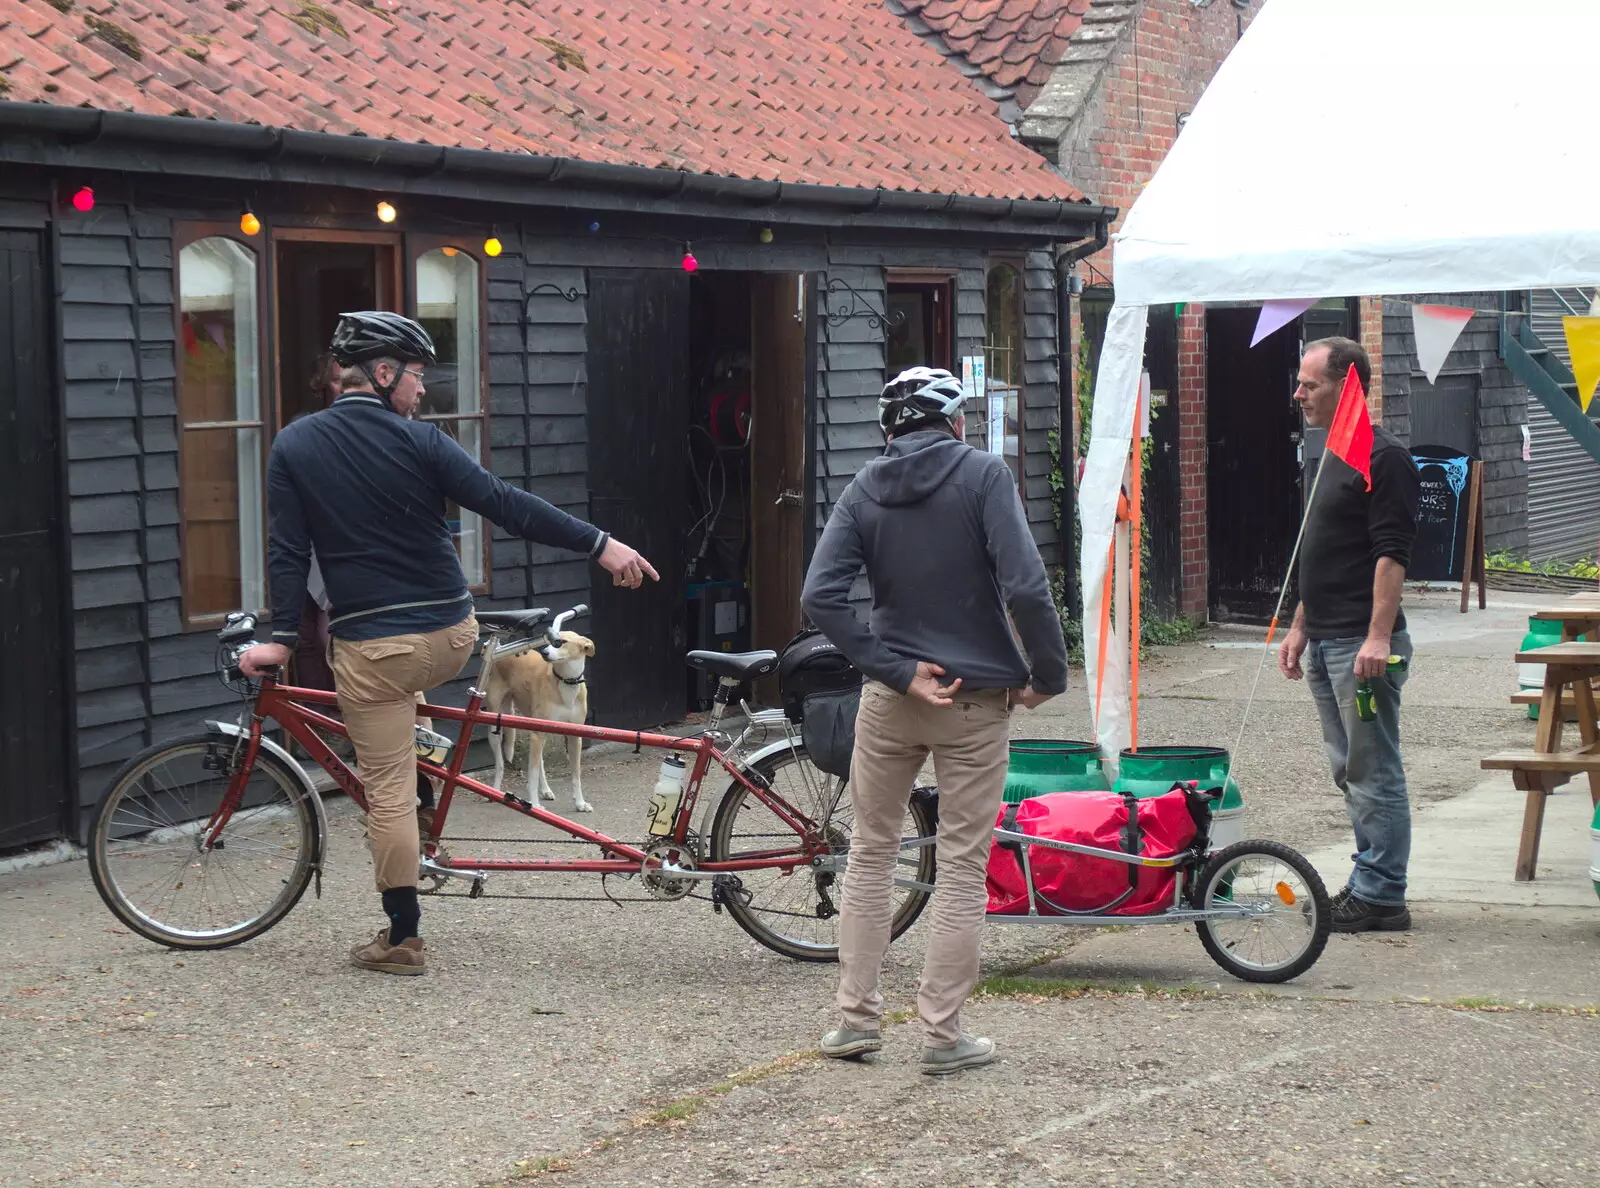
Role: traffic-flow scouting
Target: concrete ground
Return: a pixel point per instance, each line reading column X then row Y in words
column 655, row 1043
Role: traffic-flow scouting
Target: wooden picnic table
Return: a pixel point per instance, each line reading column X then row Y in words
column 1571, row 667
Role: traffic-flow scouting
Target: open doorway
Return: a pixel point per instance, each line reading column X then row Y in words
column 1253, row 435
column 746, row 458
column 317, row 280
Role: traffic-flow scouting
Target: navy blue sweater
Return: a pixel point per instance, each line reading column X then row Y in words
column 366, row 489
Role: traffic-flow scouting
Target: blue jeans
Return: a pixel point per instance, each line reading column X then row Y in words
column 1365, row 757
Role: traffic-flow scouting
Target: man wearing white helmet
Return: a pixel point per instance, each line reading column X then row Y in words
column 940, row 530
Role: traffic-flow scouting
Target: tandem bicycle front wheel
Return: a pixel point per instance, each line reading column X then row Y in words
column 157, row 871
column 797, row 914
column 1289, row 915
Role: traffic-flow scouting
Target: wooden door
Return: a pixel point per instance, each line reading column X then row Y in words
column 34, row 696
column 638, row 416
column 777, row 463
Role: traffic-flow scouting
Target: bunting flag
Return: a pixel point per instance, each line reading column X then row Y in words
column 1583, row 341
column 1437, row 327
column 1275, row 315
column 1350, row 435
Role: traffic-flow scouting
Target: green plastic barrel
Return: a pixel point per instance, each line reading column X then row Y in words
column 1594, row 850
column 1541, row 634
column 1151, row 771
column 1040, row 765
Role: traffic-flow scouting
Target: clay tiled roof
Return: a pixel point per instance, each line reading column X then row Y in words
column 832, row 92
column 1015, row 43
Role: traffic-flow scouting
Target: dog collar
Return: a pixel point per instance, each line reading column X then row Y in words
column 569, row 680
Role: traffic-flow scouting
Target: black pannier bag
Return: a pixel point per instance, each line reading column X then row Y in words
column 821, row 690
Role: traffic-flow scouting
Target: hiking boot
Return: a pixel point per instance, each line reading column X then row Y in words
column 970, row 1052
column 378, row 954
column 1339, row 900
column 843, row 1043
column 1355, row 914
column 425, row 825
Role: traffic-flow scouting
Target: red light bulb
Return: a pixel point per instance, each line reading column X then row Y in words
column 83, row 200
column 689, row 262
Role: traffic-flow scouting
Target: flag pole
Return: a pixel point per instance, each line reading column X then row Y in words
column 1283, row 592
column 1135, row 548
column 1342, row 435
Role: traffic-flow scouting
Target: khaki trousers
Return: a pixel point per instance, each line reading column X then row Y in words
column 894, row 736
column 377, row 681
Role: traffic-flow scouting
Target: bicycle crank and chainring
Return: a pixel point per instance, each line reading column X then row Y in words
column 659, row 884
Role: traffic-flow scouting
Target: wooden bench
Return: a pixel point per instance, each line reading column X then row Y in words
column 1567, row 696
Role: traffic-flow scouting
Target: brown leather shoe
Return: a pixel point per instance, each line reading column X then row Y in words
column 378, row 954
column 425, row 825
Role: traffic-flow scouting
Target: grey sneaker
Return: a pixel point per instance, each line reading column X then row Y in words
column 970, row 1052
column 844, row 1044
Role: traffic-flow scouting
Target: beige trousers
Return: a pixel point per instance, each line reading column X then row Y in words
column 377, row 681
column 894, row 736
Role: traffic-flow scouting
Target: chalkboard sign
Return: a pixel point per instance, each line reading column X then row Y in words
column 1443, row 525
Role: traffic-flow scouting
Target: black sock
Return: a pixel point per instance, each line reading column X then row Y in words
column 424, row 791
column 404, row 912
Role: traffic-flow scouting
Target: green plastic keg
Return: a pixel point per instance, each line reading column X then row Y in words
column 1541, row 634
column 1151, row 771
column 1040, row 765
column 1594, row 850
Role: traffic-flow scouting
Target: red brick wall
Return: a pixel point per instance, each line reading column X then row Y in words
column 1113, row 150
column 1126, row 130
column 1192, row 593
column 1371, row 337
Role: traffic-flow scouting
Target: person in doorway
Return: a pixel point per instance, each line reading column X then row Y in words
column 365, row 486
column 941, row 531
column 1347, row 625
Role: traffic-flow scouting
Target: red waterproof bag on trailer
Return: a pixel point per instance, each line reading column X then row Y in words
column 1158, row 827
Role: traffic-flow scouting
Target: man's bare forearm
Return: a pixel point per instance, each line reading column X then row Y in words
column 1299, row 623
column 1387, row 583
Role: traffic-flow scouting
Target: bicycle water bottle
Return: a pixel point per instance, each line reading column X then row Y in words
column 668, row 792
column 431, row 746
column 1366, row 708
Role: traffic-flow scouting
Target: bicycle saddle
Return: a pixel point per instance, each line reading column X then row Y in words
column 513, row 620
column 741, row 666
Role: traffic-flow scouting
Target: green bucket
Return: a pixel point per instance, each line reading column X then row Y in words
column 1151, row 771
column 1040, row 765
column 1541, row 634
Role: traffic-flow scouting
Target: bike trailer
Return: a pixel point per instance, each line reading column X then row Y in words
column 821, row 690
column 1067, row 882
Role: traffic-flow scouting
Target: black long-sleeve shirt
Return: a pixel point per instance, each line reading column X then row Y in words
column 1348, row 528
column 366, row 489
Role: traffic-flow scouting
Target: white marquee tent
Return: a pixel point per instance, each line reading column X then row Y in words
column 1352, row 148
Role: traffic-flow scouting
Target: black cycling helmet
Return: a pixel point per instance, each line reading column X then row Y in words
column 919, row 398
column 379, row 334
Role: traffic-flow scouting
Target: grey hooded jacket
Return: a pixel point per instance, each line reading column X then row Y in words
column 941, row 532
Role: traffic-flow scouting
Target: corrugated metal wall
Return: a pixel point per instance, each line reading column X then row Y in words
column 1563, row 481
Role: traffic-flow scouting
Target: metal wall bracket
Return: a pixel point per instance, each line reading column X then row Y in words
column 554, row 290
column 858, row 308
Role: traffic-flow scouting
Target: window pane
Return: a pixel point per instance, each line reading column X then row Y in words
column 219, row 476
column 447, row 307
column 1004, row 325
column 220, row 470
column 466, row 527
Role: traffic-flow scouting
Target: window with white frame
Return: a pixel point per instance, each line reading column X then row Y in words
column 447, row 306
column 220, row 429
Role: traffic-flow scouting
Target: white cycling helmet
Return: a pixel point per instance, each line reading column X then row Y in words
column 917, row 396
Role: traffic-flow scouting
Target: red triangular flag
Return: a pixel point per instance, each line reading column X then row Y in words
column 1350, row 435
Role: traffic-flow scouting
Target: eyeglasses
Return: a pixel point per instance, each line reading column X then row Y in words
column 415, row 373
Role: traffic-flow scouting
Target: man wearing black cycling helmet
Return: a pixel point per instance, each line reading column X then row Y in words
column 940, row 530
column 365, row 487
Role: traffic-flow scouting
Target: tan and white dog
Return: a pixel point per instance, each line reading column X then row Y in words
column 547, row 683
